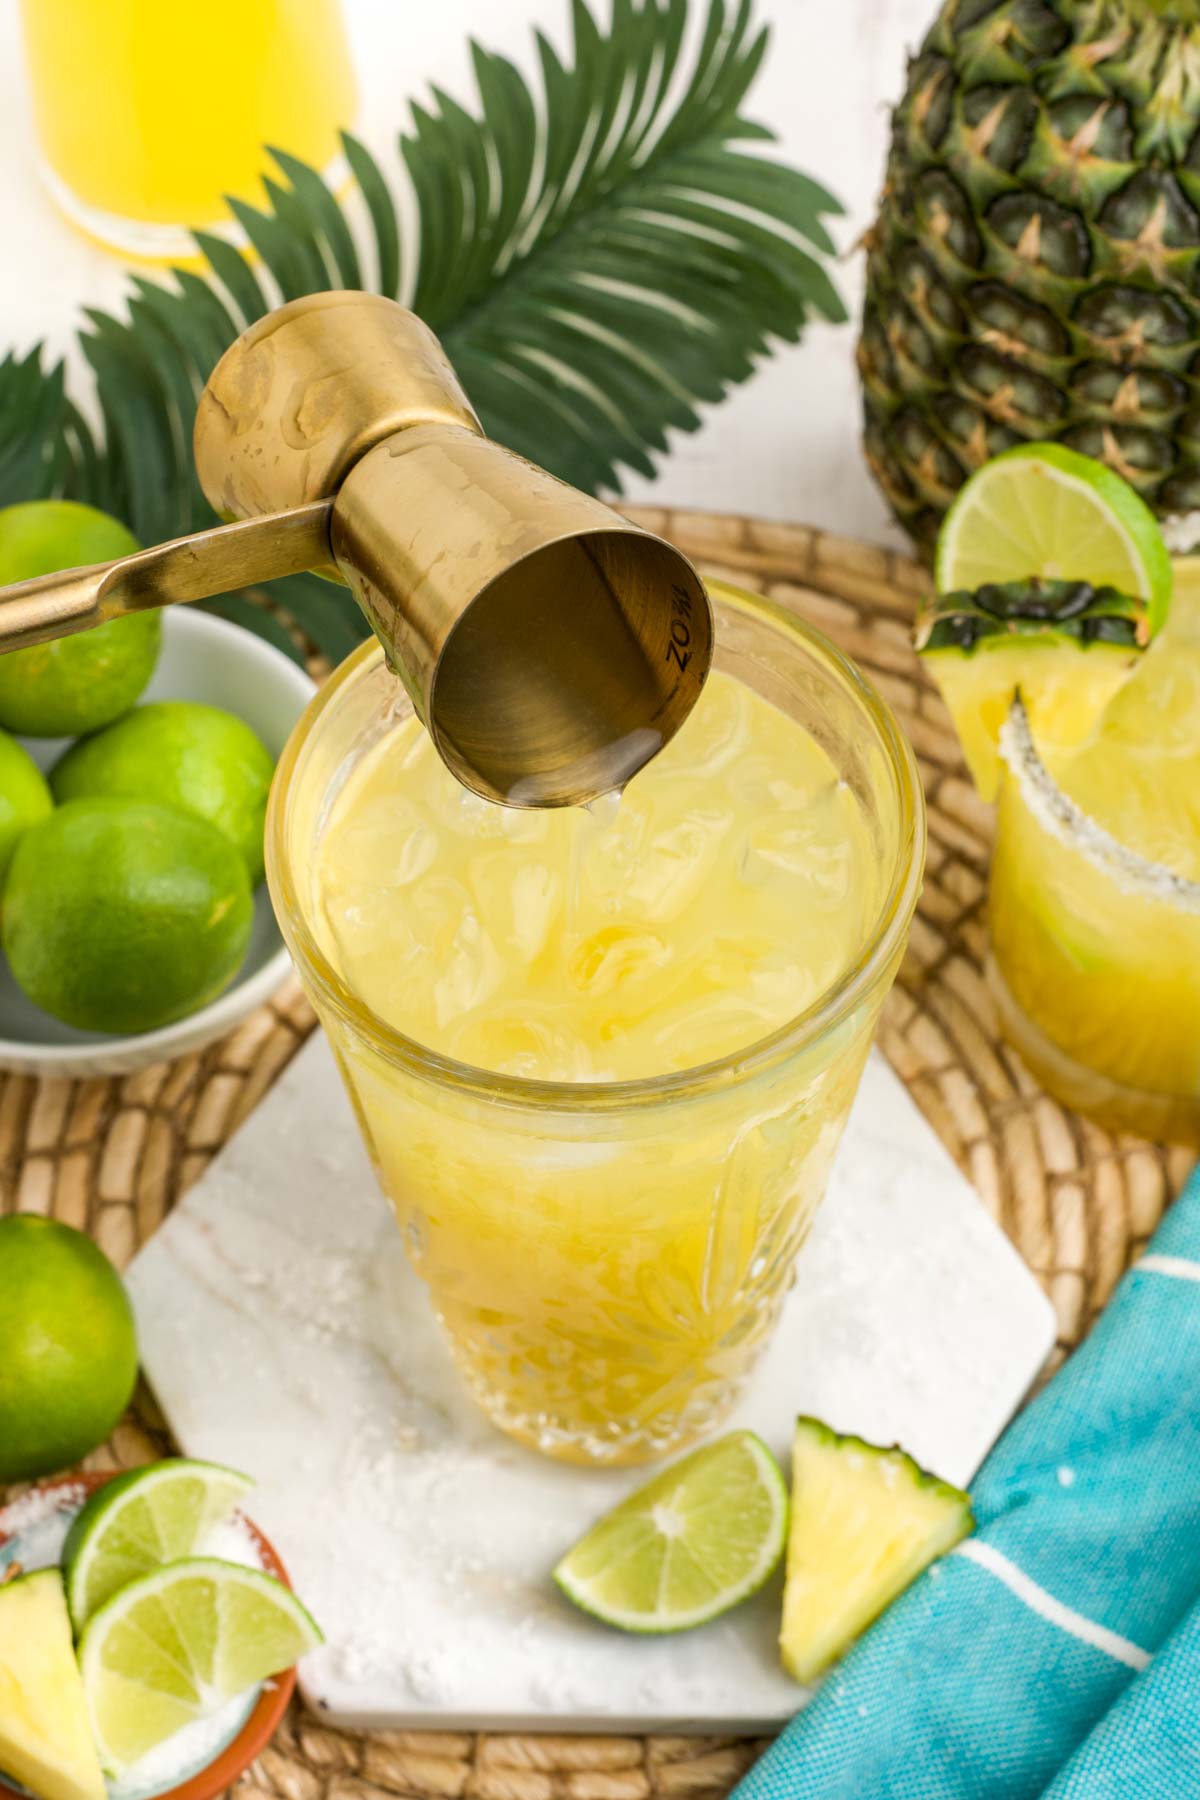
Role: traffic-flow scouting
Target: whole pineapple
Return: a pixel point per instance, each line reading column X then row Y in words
column 1035, row 268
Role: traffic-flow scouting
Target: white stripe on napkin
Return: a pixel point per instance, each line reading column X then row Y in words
column 1039, row 1601
column 1179, row 1266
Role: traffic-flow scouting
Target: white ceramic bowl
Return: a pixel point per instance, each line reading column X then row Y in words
column 203, row 658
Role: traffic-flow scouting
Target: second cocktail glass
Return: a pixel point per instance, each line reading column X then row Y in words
column 1095, row 957
column 151, row 113
column 609, row 1257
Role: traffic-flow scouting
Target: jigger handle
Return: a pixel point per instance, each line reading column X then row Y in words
column 188, row 568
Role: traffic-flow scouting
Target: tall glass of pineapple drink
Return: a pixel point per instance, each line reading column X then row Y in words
column 602, row 1060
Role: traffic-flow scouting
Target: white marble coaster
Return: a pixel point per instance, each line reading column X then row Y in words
column 284, row 1333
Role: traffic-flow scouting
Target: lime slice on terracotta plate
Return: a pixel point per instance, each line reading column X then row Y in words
column 139, row 1522
column 180, row 1643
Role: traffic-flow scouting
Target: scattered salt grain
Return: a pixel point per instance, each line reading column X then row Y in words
column 426, row 1679
column 352, row 1662
column 233, row 1542
column 1066, row 1478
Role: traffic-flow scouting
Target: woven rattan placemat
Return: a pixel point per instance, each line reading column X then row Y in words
column 113, row 1156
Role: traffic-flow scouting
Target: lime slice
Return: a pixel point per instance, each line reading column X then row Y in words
column 179, row 1644
column 693, row 1542
column 141, row 1521
column 1042, row 509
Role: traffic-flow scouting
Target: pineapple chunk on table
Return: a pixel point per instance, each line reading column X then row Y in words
column 865, row 1522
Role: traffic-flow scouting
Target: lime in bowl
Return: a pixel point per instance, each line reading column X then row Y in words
column 207, row 660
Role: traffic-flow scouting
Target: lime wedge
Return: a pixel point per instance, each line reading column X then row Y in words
column 139, row 1522
column 179, row 1644
column 693, row 1542
column 1044, row 510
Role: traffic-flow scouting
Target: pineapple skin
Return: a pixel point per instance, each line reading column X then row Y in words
column 1034, row 270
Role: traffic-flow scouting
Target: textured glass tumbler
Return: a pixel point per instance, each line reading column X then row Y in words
column 609, row 1259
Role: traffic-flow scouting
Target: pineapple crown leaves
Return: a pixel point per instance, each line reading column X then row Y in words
column 600, row 258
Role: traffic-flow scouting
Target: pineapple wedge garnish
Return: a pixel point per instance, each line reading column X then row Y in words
column 865, row 1522
column 1066, row 645
column 45, row 1738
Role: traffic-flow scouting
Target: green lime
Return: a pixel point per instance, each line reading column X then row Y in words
column 179, row 1644
column 693, row 1542
column 24, row 797
column 72, row 684
column 139, row 1522
column 178, row 753
column 69, row 1358
column 120, row 916
column 1044, row 510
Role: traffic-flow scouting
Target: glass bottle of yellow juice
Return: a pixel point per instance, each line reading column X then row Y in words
column 150, row 112
column 602, row 1059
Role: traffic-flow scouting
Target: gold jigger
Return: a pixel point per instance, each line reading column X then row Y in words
column 549, row 646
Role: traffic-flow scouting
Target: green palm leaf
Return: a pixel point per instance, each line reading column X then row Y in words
column 600, row 258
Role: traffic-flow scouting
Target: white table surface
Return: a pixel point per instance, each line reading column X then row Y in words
column 786, row 444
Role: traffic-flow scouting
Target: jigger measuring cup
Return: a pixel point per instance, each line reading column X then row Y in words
column 549, row 646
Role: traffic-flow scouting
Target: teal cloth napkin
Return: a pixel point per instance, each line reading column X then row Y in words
column 1021, row 1666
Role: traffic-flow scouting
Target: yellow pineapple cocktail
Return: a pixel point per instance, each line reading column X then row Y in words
column 151, row 112
column 1095, row 897
column 602, row 1059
